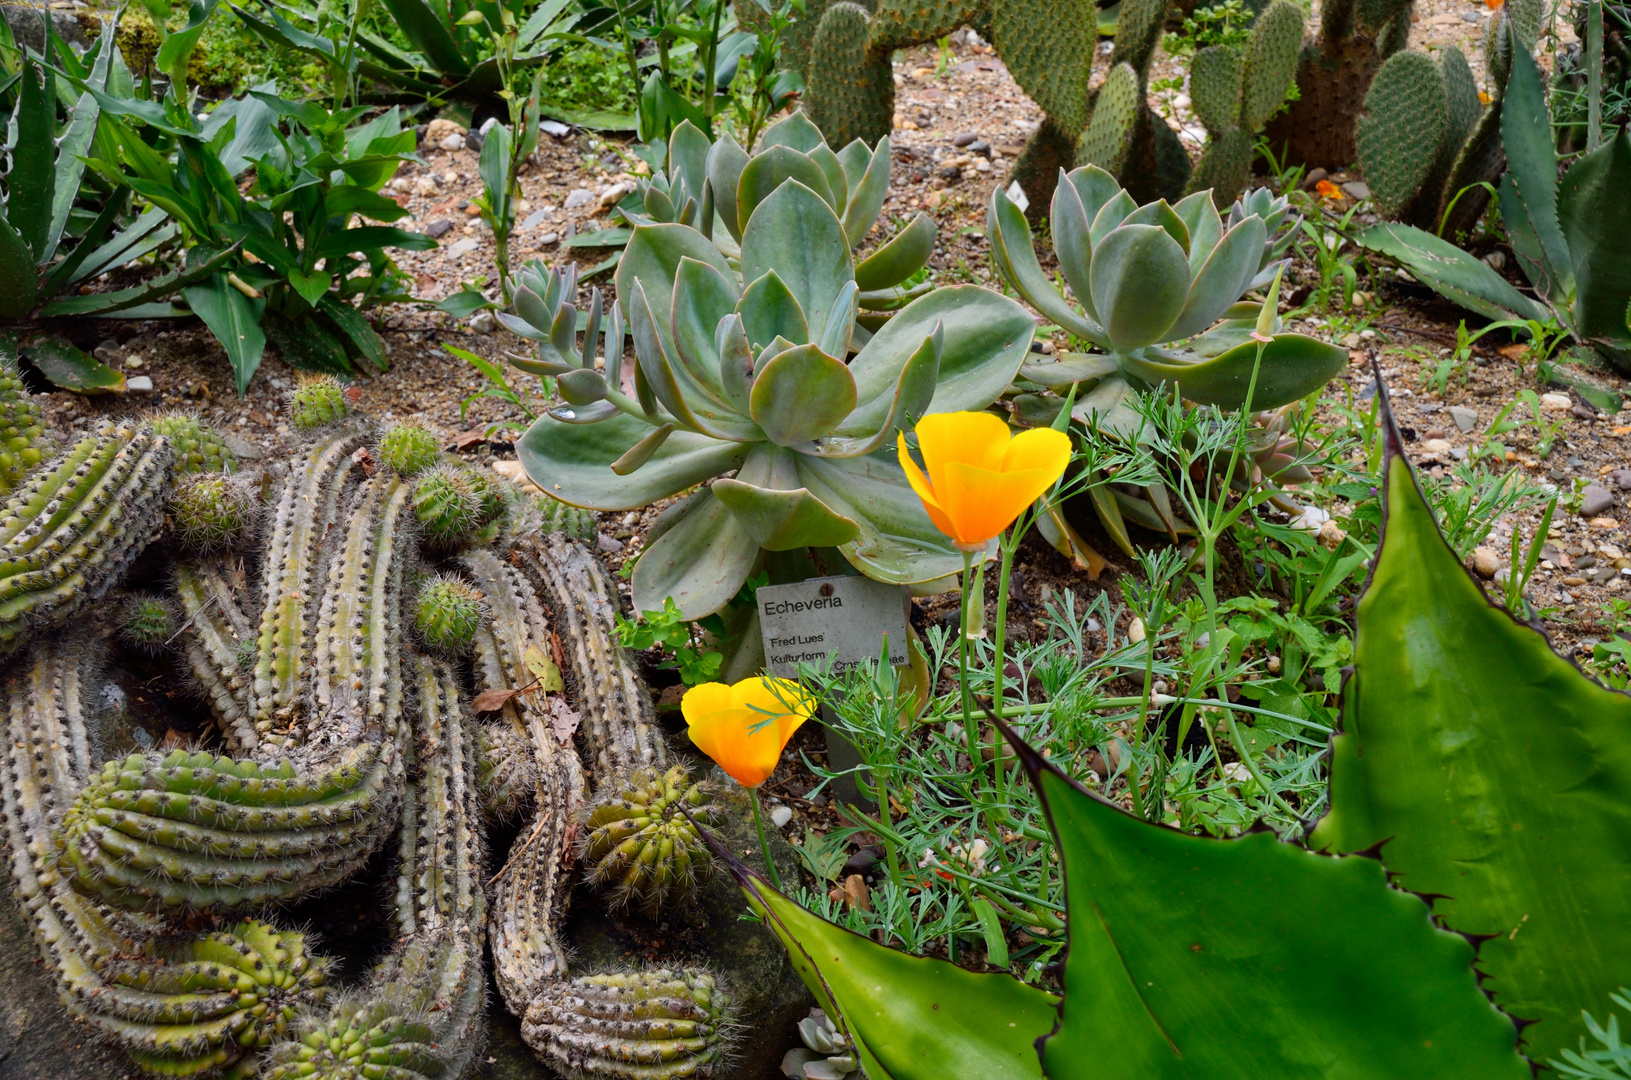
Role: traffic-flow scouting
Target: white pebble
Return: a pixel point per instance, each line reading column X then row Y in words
column 780, row 816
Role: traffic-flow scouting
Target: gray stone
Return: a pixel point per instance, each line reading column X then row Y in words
column 1622, row 479
column 29, row 29
column 535, row 219
column 608, row 545
column 554, row 128
column 967, row 138
column 484, row 322
column 243, row 449
column 1595, row 501
column 1358, row 189
column 139, row 384
column 1466, row 419
column 549, row 238
column 462, row 248
column 453, row 142
column 438, row 229
column 579, row 197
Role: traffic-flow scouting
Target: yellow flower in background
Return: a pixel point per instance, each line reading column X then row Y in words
column 745, row 727
column 980, row 476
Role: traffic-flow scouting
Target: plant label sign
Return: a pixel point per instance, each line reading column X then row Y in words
column 845, row 618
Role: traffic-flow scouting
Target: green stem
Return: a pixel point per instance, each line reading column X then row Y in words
column 1594, row 74
column 1009, row 545
column 764, row 848
column 970, row 732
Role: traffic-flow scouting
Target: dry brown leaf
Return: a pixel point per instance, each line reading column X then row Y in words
column 564, row 719
column 493, row 700
column 465, row 439
column 856, row 894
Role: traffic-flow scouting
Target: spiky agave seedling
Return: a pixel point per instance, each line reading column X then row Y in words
column 316, row 402
column 68, row 533
column 409, row 447
column 641, row 848
column 180, row 1005
column 22, row 434
column 638, row 1025
column 447, row 613
column 147, row 622
column 198, row 449
column 447, row 505
column 213, row 511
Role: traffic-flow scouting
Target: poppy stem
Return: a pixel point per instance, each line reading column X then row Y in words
column 970, row 731
column 764, row 848
column 1009, row 544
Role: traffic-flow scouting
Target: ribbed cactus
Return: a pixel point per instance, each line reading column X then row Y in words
column 22, row 435
column 447, row 505
column 641, row 848
column 317, row 402
column 71, row 529
column 212, row 511
column 409, row 448
column 217, row 638
column 197, row 449
column 447, row 613
column 642, row 1025
column 181, row 1004
column 1333, row 73
column 1426, row 142
column 1235, row 93
column 147, row 622
column 505, row 773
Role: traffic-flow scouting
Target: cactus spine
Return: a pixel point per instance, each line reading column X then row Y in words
column 409, row 449
column 447, row 613
column 68, row 533
column 1235, row 94
column 180, row 1005
column 1425, row 138
column 21, row 433
column 197, row 449
column 648, row 1025
column 317, row 402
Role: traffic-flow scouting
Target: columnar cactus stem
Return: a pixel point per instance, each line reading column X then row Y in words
column 214, row 630
column 67, row 535
column 180, row 1006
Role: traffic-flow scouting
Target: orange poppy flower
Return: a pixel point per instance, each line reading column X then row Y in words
column 980, row 475
column 745, row 727
column 1328, row 190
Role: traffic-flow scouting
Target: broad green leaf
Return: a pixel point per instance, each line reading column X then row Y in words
column 1108, row 407
column 1293, row 366
column 833, row 170
column 365, row 239
column 795, row 131
column 493, row 166
column 868, row 195
column 71, row 368
column 312, row 287
column 428, row 30
column 897, row 542
column 1071, row 244
column 1222, row 278
column 769, row 311
column 911, row 1017
column 903, row 256
column 688, row 150
column 1451, row 272
column 234, row 319
column 30, row 185
column 1205, row 227
column 177, row 49
column 1594, row 209
column 76, row 142
column 784, row 520
column 796, row 234
column 573, row 462
column 899, row 411
column 152, row 289
column 363, row 340
column 1531, row 161
column 702, row 297
column 1492, row 773
column 701, row 560
column 726, row 161
column 986, row 337
column 1140, row 279
column 1069, row 368
column 1016, row 257
column 1161, row 215
column 768, row 171
column 1251, row 958
column 800, row 395
column 653, row 259
column 19, row 281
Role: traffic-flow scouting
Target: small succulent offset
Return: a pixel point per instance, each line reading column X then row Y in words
column 1159, row 289
column 827, row 1054
column 753, row 379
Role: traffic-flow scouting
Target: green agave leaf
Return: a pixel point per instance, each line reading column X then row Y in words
column 1015, row 256
column 800, row 395
column 234, row 319
column 1451, row 272
column 1594, row 208
column 19, row 280
column 868, row 195
column 31, row 183
column 796, row 234
column 1140, row 279
column 430, row 34
column 1526, row 133
column 1294, row 366
column 769, row 311
column 784, row 520
column 987, row 337
column 910, row 1017
column 897, row 541
column 904, row 255
column 1222, row 278
column 1250, row 958
column 701, row 560
column 1497, row 775
column 573, row 462
column 72, row 368
column 768, row 172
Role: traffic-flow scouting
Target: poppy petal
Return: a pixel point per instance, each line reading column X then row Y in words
column 703, row 699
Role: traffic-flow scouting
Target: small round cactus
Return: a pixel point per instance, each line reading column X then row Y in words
column 22, row 433
column 506, row 772
column 409, row 449
column 317, row 402
column 447, row 614
column 147, row 622
column 637, row 1025
column 495, row 500
column 212, row 511
column 446, row 505
column 641, row 848
column 197, row 448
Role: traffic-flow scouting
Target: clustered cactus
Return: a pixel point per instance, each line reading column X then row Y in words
column 642, row 846
column 21, row 432
column 338, row 736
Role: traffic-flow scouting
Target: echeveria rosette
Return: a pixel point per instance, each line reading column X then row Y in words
column 754, row 379
column 708, row 184
column 1159, row 289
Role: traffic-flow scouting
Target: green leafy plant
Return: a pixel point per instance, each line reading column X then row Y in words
column 1561, row 231
column 666, row 630
column 762, row 84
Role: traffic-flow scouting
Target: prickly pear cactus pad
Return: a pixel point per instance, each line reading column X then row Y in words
column 1491, row 773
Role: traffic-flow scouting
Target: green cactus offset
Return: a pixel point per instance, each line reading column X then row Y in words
column 317, row 402
column 212, row 511
column 147, row 622
column 409, row 448
column 447, row 613
column 22, row 434
column 447, row 505
column 641, row 847
column 197, row 448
